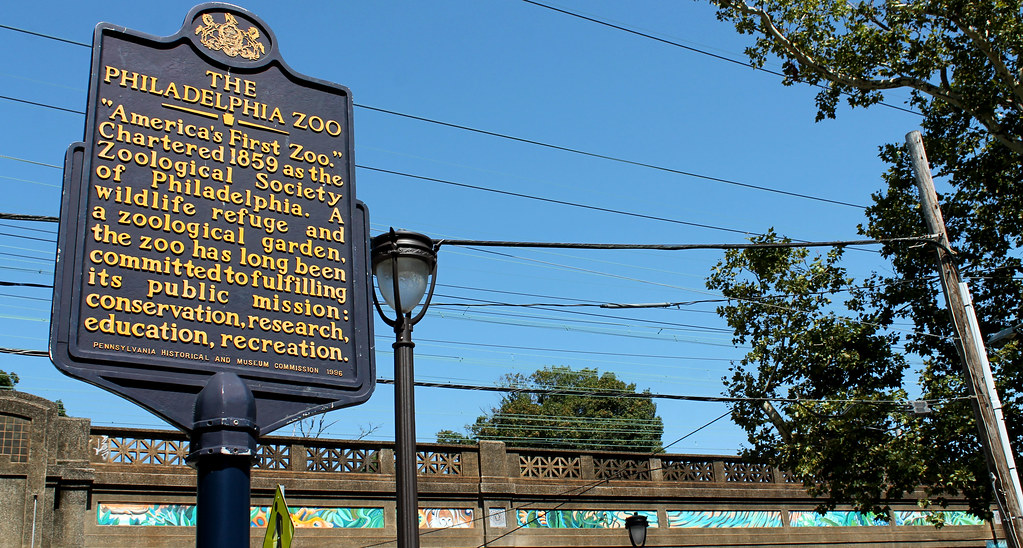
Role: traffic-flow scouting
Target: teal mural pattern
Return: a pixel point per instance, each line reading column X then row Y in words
column 948, row 517
column 578, row 519
column 183, row 515
column 835, row 518
column 723, row 519
column 326, row 518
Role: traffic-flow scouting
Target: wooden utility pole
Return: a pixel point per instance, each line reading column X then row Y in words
column 970, row 346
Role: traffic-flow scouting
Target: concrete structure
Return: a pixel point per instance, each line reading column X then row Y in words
column 66, row 484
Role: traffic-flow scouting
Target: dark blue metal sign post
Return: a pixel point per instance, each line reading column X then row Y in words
column 213, row 262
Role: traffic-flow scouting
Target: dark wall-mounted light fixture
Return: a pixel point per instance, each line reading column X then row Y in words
column 636, row 524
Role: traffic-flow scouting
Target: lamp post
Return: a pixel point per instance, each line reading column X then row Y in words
column 403, row 263
column 636, row 524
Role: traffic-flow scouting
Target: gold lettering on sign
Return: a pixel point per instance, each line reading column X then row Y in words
column 216, row 227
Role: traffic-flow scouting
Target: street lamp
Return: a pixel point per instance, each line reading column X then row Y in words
column 636, row 524
column 403, row 263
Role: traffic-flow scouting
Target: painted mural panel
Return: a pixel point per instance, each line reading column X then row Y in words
column 183, row 515
column 723, row 519
column 921, row 517
column 578, row 519
column 446, row 518
column 328, row 518
column 836, row 518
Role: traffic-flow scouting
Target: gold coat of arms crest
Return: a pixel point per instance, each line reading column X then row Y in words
column 229, row 38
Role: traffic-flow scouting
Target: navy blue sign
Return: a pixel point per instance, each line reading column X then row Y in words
column 209, row 224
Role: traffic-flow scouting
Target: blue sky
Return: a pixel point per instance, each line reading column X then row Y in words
column 516, row 69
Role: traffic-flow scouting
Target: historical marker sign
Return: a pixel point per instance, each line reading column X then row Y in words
column 209, row 223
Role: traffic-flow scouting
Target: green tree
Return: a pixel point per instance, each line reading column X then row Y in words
column 562, row 408
column 961, row 63
column 8, row 380
column 826, row 368
column 963, row 54
column 450, row 436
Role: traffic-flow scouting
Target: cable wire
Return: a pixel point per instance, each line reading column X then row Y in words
column 571, row 491
column 505, row 136
column 597, row 393
column 558, row 202
column 928, row 239
column 690, row 48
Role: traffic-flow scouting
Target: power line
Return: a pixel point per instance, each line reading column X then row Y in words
column 624, row 330
column 690, row 48
column 19, row 227
column 49, row 253
column 31, row 270
column 667, row 247
column 48, row 36
column 513, row 417
column 570, row 491
column 543, row 306
column 504, row 292
column 762, row 300
column 573, row 351
column 723, row 415
column 517, row 195
column 507, row 137
column 44, row 105
column 682, row 247
column 25, row 284
column 614, row 158
column 22, row 352
column 37, row 259
column 24, row 237
column 569, row 391
column 24, row 297
column 555, row 201
column 30, row 181
column 16, row 159
column 14, row 216
column 554, row 306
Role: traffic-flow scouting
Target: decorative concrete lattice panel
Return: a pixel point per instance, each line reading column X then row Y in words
column 744, row 472
column 272, row 457
column 687, row 470
column 621, row 469
column 128, row 450
column 343, row 459
column 549, row 466
column 14, row 439
column 439, row 463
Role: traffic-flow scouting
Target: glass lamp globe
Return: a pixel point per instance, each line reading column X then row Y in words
column 413, row 275
column 415, row 258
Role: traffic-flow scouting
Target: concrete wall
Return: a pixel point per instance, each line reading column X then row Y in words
column 45, row 474
column 123, row 487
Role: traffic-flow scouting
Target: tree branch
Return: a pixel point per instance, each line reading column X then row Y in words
column 771, row 30
column 986, row 48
